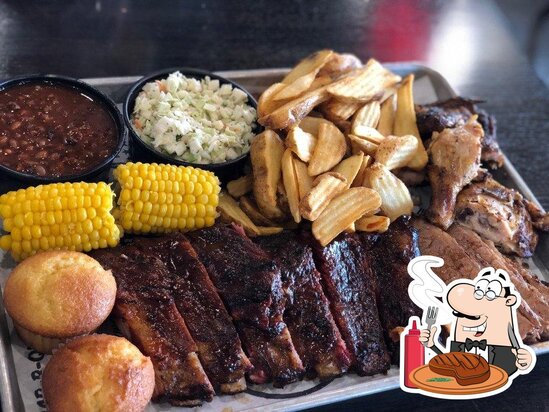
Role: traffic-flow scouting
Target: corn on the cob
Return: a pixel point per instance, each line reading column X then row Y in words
column 71, row 216
column 161, row 198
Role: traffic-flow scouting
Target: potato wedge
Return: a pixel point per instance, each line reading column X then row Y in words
column 405, row 121
column 370, row 134
column 395, row 196
column 345, row 127
column 241, row 186
column 292, row 112
column 329, row 150
column 350, row 167
column 342, row 211
column 231, row 212
column 282, row 200
column 351, row 228
column 372, row 224
column 304, row 181
column 364, row 84
column 310, row 64
column 387, row 117
column 359, row 178
column 290, row 184
column 266, row 153
column 320, row 81
column 301, row 143
column 266, row 103
column 311, row 124
column 325, row 188
column 337, row 111
column 365, row 119
column 388, row 92
column 396, row 151
column 302, row 76
column 249, row 207
column 268, row 231
column 360, row 144
column 340, row 64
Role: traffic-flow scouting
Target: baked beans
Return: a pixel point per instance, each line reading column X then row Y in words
column 47, row 129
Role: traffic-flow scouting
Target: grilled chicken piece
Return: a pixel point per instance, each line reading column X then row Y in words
column 540, row 219
column 455, row 161
column 534, row 304
column 460, row 263
column 499, row 214
column 436, row 117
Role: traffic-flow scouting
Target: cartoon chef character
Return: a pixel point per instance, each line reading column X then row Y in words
column 485, row 321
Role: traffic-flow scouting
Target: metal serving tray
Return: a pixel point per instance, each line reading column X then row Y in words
column 20, row 367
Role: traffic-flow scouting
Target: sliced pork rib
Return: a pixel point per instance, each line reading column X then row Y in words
column 458, row 263
column 436, row 242
column 307, row 314
column 535, row 305
column 436, row 117
column 499, row 214
column 219, row 347
column 249, row 283
column 454, row 162
column 147, row 315
column 350, row 286
column 392, row 252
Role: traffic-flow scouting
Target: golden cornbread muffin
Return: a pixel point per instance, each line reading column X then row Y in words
column 57, row 295
column 98, row 373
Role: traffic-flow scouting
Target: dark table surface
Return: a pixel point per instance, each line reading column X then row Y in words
column 468, row 41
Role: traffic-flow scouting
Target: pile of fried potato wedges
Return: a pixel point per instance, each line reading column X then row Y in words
column 337, row 133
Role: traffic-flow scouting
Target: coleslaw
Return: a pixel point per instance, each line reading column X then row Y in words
column 198, row 121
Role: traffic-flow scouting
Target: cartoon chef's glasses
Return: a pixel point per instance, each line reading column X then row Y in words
column 491, row 289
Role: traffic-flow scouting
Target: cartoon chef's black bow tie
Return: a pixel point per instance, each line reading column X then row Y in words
column 470, row 344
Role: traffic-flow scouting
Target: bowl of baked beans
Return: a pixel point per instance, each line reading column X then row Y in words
column 55, row 128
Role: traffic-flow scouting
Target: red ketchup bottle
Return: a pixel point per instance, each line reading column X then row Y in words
column 414, row 353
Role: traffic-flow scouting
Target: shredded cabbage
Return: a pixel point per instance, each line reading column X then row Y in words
column 198, row 121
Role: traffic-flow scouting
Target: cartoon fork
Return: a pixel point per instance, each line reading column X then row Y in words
column 431, row 318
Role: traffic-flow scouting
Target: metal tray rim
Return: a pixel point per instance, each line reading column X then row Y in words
column 9, row 387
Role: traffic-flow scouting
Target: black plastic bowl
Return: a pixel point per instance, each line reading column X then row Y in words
column 147, row 153
column 98, row 97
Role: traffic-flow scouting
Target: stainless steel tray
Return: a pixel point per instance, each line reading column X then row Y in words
column 20, row 390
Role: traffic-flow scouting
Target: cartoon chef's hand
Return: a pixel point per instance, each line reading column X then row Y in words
column 524, row 358
column 427, row 337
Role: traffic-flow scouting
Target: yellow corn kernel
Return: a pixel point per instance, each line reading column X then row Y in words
column 161, row 198
column 58, row 216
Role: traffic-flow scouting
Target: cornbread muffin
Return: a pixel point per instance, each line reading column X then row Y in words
column 98, row 373
column 57, row 295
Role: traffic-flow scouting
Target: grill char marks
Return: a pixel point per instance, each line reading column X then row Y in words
column 312, row 327
column 219, row 347
column 350, row 286
column 249, row 282
column 466, row 368
column 146, row 313
column 393, row 251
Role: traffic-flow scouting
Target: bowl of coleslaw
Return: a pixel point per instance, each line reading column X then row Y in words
column 193, row 118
